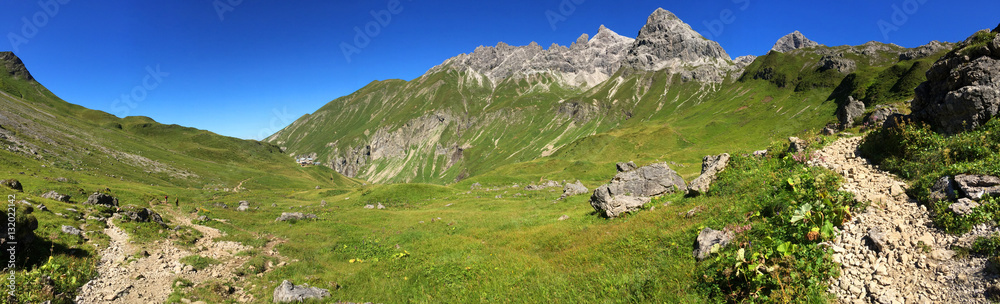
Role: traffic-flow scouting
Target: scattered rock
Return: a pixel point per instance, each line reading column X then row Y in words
column 829, row 130
column 12, row 183
column 849, row 112
column 546, row 185
column 244, row 206
column 571, row 189
column 961, row 92
column 42, row 207
column 475, row 186
column 52, row 195
column 71, row 230
column 288, row 216
column 369, row 206
column 564, row 217
column 977, row 186
column 964, row 206
column 62, row 180
column 760, row 153
column 795, row 145
column 625, row 167
column 102, row 199
column 710, row 167
column 202, row 218
column 380, row 207
column 629, row 190
column 708, row 239
column 322, row 203
column 691, row 213
column 288, row 292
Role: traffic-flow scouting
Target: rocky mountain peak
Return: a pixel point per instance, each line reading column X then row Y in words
column 793, row 41
column 667, row 42
column 14, row 66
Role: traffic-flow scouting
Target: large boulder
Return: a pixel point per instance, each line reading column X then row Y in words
column 141, row 215
column 288, row 216
column 977, row 186
column 52, row 195
column 102, row 199
column 964, row 206
column 709, row 238
column 710, row 167
column 795, row 145
column 571, row 189
column 881, row 113
column 288, row 292
column 12, row 183
column 943, row 190
column 629, row 190
column 850, row 111
column 962, row 91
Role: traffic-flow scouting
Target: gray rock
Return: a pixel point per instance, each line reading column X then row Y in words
column 102, row 199
column 839, row 63
column 71, row 230
column 142, row 215
column 475, row 186
column 964, row 206
column 793, row 41
column 625, row 167
column 379, row 206
column 587, row 62
column 962, row 91
column 667, row 42
column 369, row 206
column 710, row 167
column 564, row 217
column 628, row 191
column 877, row 239
column 850, row 111
column 761, row 153
column 896, row 121
column 796, row 145
column 571, row 189
column 925, row 50
column 977, row 186
column 288, row 292
column 709, row 238
column 244, row 206
column 943, row 190
column 12, row 184
column 288, row 216
column 52, row 195
column 881, row 113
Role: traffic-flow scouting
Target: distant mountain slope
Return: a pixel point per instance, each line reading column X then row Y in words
column 38, row 127
column 669, row 94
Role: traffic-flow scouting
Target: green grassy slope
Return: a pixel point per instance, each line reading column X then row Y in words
column 634, row 116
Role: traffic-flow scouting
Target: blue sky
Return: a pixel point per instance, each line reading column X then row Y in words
column 259, row 65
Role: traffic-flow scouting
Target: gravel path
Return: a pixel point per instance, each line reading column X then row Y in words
column 124, row 277
column 891, row 253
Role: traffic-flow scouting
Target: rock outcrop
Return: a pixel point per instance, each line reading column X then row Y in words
column 962, row 91
column 795, row 145
column 52, row 195
column 625, row 167
column 710, row 168
column 710, row 238
column 102, row 199
column 14, row 66
column 839, row 63
column 792, row 42
column 925, row 50
column 288, row 292
column 880, row 115
column 976, row 187
column 850, row 112
column 666, row 42
column 629, row 190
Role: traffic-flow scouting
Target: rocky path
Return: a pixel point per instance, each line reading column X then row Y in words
column 125, row 275
column 891, row 253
